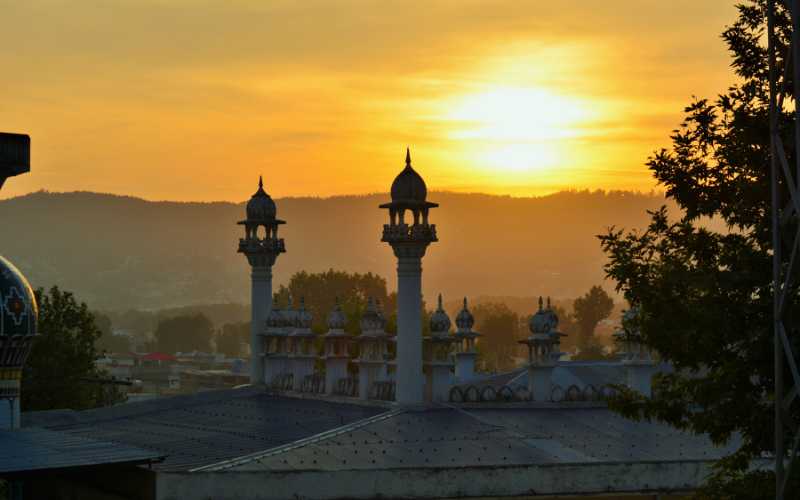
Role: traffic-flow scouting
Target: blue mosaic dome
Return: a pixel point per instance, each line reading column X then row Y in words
column 18, row 309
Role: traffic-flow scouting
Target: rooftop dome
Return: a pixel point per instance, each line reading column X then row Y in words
column 408, row 186
column 371, row 320
column 18, row 310
column 304, row 317
column 261, row 207
column 275, row 316
column 336, row 319
column 540, row 322
column 289, row 319
column 464, row 320
column 552, row 315
column 440, row 321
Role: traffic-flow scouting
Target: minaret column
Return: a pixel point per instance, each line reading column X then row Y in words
column 260, row 305
column 261, row 252
column 410, row 381
column 409, row 242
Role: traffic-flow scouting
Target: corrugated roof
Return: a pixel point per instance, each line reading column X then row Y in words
column 478, row 437
column 28, row 450
column 204, row 428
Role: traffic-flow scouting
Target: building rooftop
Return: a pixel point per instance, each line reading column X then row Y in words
column 205, row 428
column 30, row 450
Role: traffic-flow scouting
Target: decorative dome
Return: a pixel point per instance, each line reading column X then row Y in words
column 261, row 207
column 289, row 315
column 440, row 321
column 540, row 322
column 275, row 316
column 371, row 320
column 379, row 309
column 336, row 319
column 465, row 320
column 18, row 310
column 408, row 186
column 552, row 315
column 304, row 316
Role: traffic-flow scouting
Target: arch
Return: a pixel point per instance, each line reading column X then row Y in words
column 456, row 395
column 488, row 393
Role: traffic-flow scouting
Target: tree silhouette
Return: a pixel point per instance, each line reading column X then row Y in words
column 589, row 310
column 705, row 296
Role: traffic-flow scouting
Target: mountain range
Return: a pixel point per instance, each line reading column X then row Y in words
column 119, row 252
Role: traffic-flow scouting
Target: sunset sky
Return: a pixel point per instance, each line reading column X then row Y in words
column 192, row 100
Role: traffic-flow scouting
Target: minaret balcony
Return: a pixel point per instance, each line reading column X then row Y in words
column 271, row 245
column 423, row 233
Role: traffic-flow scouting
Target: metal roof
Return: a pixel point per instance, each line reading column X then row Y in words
column 204, row 428
column 490, row 437
column 27, row 450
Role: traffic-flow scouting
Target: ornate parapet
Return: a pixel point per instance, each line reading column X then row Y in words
column 405, row 233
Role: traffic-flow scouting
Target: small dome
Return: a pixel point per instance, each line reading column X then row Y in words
column 304, row 316
column 552, row 315
column 336, row 318
column 465, row 320
column 408, row 186
column 371, row 320
column 541, row 321
column 289, row 319
column 261, row 207
column 440, row 321
column 17, row 303
column 275, row 316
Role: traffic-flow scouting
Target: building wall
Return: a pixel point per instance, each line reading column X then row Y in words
column 610, row 480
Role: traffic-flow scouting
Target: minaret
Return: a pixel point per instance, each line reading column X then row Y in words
column 438, row 359
column 261, row 251
column 372, row 349
column 465, row 345
column 18, row 311
column 335, row 351
column 409, row 242
column 638, row 361
column 302, row 347
column 542, row 351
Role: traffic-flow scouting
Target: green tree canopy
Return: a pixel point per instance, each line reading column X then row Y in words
column 191, row 332
column 60, row 368
column 705, row 296
column 500, row 330
column 589, row 310
column 320, row 291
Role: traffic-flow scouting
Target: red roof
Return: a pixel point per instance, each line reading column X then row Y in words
column 158, row 356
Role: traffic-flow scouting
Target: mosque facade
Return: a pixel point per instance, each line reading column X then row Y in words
column 366, row 417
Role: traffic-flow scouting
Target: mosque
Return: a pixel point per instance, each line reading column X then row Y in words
column 406, row 417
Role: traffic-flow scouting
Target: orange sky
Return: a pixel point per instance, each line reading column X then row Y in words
column 192, row 100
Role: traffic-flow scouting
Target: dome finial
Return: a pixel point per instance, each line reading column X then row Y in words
column 408, row 157
column 541, row 303
column 260, row 183
column 465, row 303
column 440, row 301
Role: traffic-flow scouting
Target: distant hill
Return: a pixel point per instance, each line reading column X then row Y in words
column 119, row 252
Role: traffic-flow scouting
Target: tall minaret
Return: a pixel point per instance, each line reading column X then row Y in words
column 409, row 242
column 261, row 250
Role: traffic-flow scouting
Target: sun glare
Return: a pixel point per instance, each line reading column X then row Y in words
column 518, row 129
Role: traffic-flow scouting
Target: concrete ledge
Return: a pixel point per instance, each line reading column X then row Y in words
column 419, row 483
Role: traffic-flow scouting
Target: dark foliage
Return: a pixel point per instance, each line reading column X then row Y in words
column 706, row 296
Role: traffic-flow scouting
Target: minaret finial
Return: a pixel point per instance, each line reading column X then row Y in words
column 548, row 302
column 465, row 303
column 408, row 157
